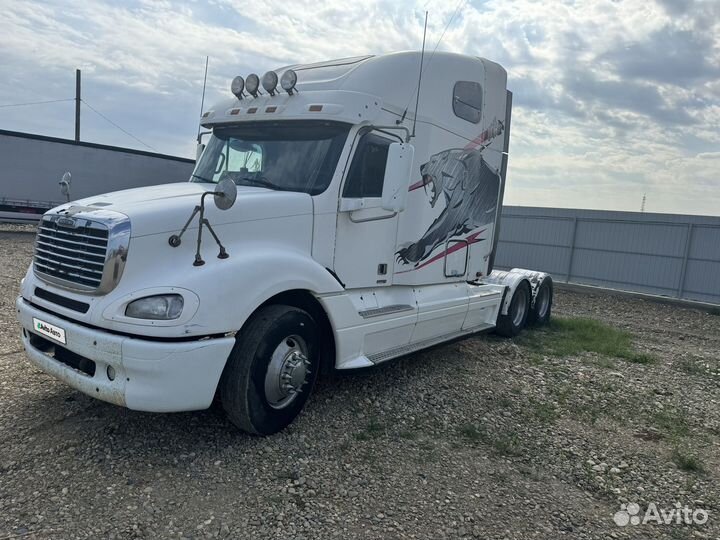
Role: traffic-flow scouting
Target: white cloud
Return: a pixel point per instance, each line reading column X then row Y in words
column 613, row 99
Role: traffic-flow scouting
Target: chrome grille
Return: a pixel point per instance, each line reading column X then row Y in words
column 74, row 254
column 82, row 253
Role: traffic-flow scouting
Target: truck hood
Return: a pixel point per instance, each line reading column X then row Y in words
column 166, row 208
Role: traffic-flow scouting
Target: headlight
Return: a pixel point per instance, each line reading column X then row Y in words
column 237, row 86
column 269, row 82
column 162, row 307
column 288, row 81
column 252, row 83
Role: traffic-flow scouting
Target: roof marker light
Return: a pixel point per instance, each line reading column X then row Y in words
column 269, row 82
column 237, row 86
column 288, row 81
column 252, row 83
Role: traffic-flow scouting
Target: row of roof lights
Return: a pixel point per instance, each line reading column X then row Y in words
column 269, row 83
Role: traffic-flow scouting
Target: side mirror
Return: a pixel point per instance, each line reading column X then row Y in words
column 65, row 185
column 397, row 176
column 199, row 150
column 225, row 194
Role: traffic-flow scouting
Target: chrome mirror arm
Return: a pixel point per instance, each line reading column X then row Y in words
column 176, row 239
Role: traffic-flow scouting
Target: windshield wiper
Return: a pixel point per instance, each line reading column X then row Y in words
column 262, row 182
column 201, row 178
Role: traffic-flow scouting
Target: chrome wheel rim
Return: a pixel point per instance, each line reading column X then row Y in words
column 542, row 302
column 287, row 372
column 519, row 306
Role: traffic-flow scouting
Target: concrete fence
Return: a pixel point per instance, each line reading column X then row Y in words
column 663, row 254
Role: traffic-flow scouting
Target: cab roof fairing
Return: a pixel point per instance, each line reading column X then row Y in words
column 391, row 79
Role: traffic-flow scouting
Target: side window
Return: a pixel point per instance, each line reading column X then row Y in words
column 367, row 170
column 467, row 101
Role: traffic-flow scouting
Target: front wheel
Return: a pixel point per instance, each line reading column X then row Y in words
column 271, row 370
column 511, row 324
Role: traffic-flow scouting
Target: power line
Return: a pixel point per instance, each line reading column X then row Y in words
column 452, row 18
column 35, row 102
column 457, row 8
column 114, row 124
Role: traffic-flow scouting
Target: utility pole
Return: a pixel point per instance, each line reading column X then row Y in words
column 77, row 105
column 642, row 205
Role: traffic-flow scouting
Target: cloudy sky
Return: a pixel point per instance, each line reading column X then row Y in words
column 613, row 98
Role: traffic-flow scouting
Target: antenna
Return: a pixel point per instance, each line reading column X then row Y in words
column 422, row 58
column 642, row 206
column 202, row 100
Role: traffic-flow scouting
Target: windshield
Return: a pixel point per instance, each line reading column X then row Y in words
column 292, row 156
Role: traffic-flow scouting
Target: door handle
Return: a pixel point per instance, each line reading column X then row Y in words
column 371, row 218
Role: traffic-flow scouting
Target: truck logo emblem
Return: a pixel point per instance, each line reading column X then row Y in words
column 67, row 222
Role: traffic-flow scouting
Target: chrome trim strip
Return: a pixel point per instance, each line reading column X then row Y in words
column 386, row 310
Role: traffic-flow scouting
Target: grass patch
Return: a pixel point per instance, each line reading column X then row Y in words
column 507, row 445
column 504, row 402
column 544, row 412
column 530, row 472
column 604, row 362
column 689, row 366
column 569, row 337
column 408, row 434
column 373, row 430
column 472, row 433
column 688, row 462
column 503, row 444
column 672, row 423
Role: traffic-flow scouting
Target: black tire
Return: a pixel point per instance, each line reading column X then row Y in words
column 542, row 304
column 511, row 325
column 243, row 384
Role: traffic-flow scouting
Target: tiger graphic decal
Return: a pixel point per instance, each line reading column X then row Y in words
column 470, row 188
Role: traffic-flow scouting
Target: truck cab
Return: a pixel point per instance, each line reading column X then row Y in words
column 326, row 225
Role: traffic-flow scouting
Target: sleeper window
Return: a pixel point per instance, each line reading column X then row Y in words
column 467, row 101
column 367, row 170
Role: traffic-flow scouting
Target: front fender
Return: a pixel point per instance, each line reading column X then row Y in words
column 229, row 290
column 271, row 272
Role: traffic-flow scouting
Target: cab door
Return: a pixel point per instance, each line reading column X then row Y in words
column 366, row 233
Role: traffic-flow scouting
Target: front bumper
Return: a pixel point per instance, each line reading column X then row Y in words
column 149, row 375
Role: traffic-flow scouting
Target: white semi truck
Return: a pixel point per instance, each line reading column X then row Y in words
column 327, row 225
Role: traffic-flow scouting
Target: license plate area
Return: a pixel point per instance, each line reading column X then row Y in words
column 48, row 330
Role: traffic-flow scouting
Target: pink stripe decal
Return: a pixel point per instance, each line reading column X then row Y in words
column 472, row 239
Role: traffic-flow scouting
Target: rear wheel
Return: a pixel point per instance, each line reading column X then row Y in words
column 511, row 324
column 540, row 311
column 271, row 370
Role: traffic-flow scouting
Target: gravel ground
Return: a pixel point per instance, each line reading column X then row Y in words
column 481, row 438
